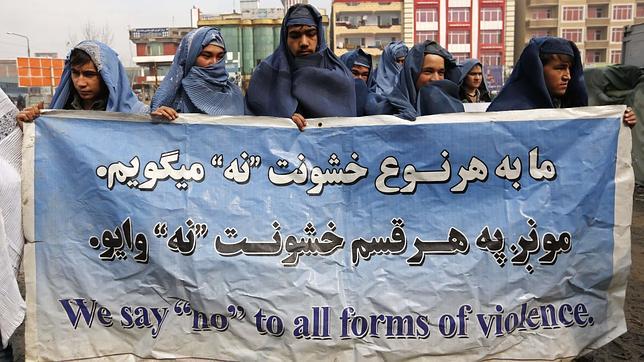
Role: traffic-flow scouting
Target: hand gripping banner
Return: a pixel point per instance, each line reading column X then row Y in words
column 462, row 236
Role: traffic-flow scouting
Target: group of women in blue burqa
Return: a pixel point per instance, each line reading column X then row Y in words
column 304, row 79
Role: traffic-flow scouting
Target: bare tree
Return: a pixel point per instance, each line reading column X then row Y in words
column 91, row 31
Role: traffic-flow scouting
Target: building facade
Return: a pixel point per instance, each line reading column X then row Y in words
column 250, row 10
column 9, row 79
column 155, row 49
column 366, row 24
column 481, row 29
column 596, row 26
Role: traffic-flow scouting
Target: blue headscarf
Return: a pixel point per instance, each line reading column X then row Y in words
column 192, row 89
column 359, row 57
column 316, row 85
column 465, row 68
column 526, row 88
column 121, row 98
column 407, row 101
column 385, row 76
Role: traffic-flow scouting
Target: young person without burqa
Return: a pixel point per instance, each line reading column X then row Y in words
column 302, row 78
column 549, row 74
column 391, row 63
column 472, row 86
column 198, row 81
column 427, row 83
column 93, row 79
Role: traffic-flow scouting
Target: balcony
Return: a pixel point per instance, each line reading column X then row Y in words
column 367, row 29
column 596, row 44
column 593, row 2
column 533, row 3
column 542, row 23
column 597, row 21
column 366, row 7
column 149, row 33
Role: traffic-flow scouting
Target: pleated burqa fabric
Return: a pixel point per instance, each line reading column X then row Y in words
column 188, row 88
column 12, row 306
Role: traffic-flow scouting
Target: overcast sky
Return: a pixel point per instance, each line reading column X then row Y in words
column 50, row 25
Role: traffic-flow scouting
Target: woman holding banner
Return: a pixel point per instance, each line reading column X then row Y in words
column 549, row 74
column 198, row 81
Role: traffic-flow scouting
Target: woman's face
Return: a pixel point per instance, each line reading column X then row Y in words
column 474, row 77
column 433, row 69
column 210, row 54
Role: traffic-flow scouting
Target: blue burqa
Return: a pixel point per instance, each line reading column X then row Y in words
column 121, row 98
column 385, row 75
column 526, row 88
column 316, row 85
column 367, row 101
column 359, row 57
column 188, row 88
column 465, row 68
column 433, row 98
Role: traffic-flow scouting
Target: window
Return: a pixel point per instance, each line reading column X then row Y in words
column 491, row 14
column 593, row 56
column 596, row 12
column 426, row 15
column 458, row 15
column 640, row 11
column 617, row 34
column 622, row 12
column 594, row 34
column 543, row 13
column 616, row 57
column 573, row 13
column 491, row 37
column 352, row 43
column 460, row 57
column 459, row 37
column 155, row 49
column 490, row 59
column 572, row 35
column 421, row 36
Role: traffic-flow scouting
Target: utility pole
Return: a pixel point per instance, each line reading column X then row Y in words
column 28, row 56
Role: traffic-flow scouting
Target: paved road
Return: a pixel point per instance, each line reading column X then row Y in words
column 630, row 346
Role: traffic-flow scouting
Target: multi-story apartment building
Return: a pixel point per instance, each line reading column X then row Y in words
column 596, row 26
column 480, row 29
column 368, row 24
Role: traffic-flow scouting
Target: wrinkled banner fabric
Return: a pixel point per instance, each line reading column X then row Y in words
column 464, row 236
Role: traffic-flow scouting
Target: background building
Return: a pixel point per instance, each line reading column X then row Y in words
column 250, row 10
column 155, row 49
column 9, row 79
column 368, row 24
column 596, row 26
column 480, row 29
